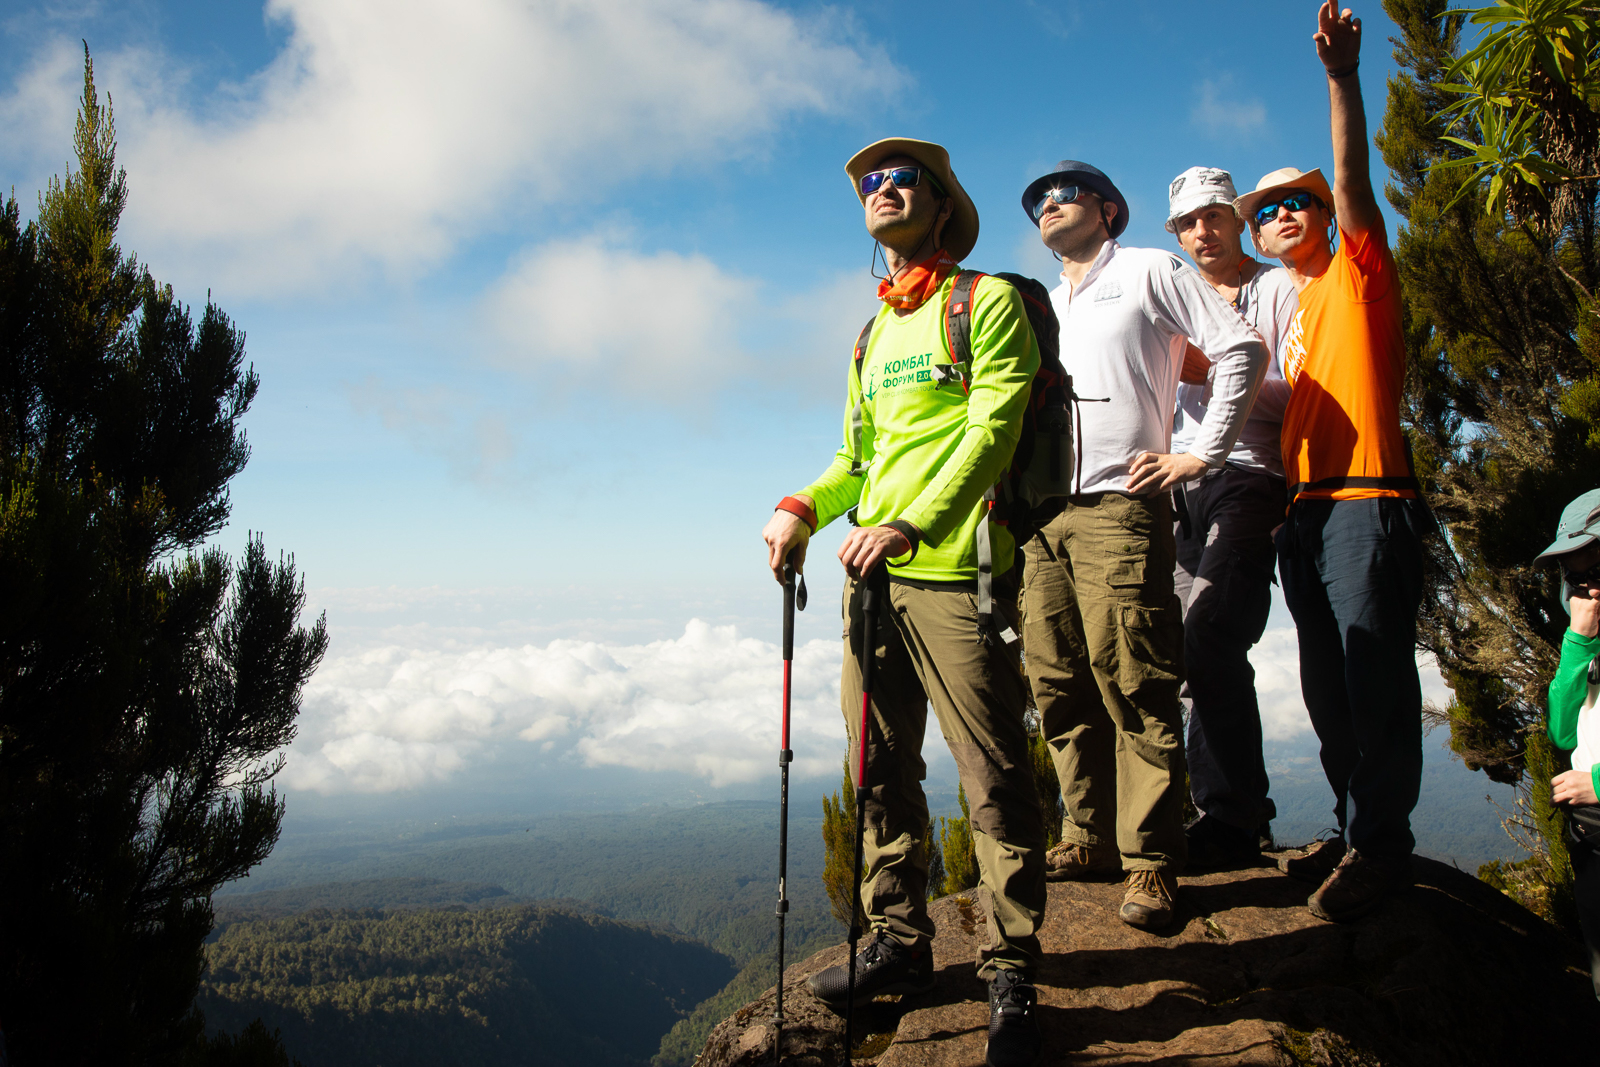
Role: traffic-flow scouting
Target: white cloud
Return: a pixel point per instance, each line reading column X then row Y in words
column 655, row 324
column 386, row 130
column 705, row 703
column 1220, row 115
column 647, row 323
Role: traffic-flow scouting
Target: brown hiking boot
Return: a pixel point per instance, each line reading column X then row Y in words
column 1147, row 901
column 1315, row 862
column 1067, row 862
column 1359, row 884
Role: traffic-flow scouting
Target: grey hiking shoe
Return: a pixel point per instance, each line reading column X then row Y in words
column 1067, row 862
column 1014, row 1039
column 1147, row 900
column 1315, row 862
column 1359, row 884
column 883, row 966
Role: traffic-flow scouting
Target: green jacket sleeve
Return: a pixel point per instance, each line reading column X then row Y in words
column 1568, row 690
column 1005, row 357
column 836, row 490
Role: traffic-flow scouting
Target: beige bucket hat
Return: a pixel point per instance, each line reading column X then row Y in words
column 961, row 232
column 1284, row 178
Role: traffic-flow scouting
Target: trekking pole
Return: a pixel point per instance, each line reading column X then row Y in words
column 792, row 599
column 869, row 644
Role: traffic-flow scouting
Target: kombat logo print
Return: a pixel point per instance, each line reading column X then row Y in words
column 899, row 373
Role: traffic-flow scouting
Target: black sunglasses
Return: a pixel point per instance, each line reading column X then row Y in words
column 902, row 177
column 1297, row 201
column 1064, row 195
column 1588, row 576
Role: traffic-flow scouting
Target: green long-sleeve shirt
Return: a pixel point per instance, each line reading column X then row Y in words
column 1574, row 714
column 933, row 450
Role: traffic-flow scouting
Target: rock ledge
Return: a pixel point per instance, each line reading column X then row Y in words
column 1449, row 973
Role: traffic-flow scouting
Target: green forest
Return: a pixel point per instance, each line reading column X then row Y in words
column 317, row 948
column 523, row 984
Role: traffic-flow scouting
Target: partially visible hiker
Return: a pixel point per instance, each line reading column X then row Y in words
column 930, row 447
column 1226, row 517
column 1102, row 627
column 1350, row 550
column 1575, row 706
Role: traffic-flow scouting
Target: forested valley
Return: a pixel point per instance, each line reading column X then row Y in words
column 578, row 938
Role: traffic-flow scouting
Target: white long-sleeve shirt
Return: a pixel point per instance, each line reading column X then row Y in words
column 1124, row 329
column 1268, row 302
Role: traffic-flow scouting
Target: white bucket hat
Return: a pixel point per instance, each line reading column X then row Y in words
column 1196, row 188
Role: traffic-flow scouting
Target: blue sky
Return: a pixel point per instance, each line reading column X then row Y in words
column 551, row 302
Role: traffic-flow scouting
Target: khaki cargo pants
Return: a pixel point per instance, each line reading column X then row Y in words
column 1102, row 631
column 928, row 651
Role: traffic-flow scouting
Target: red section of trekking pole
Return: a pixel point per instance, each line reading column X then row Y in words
column 791, row 600
column 869, row 647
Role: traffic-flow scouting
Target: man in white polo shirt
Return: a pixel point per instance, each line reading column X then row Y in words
column 1224, row 535
column 1102, row 627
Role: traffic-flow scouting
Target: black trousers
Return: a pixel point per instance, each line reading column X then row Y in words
column 1352, row 576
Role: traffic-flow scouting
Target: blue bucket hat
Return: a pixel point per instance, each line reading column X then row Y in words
column 1072, row 172
column 1579, row 528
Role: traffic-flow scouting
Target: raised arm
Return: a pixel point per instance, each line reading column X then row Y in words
column 1338, row 41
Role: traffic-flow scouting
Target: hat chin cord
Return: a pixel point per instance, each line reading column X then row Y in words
column 877, row 250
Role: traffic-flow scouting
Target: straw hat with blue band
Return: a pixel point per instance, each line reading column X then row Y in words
column 1280, row 181
column 1073, row 172
column 961, row 232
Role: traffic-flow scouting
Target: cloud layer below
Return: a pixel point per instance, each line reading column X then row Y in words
column 391, row 718
column 705, row 703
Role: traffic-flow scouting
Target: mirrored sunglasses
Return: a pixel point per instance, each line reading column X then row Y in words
column 1294, row 202
column 1064, row 195
column 901, row 177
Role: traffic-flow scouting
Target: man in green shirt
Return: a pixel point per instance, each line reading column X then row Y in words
column 923, row 441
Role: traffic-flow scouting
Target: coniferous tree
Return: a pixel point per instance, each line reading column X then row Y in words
column 955, row 842
column 1502, row 400
column 839, row 851
column 145, row 682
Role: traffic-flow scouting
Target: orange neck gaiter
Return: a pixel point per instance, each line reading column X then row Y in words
column 917, row 283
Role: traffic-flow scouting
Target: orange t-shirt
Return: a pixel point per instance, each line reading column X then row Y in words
column 1345, row 356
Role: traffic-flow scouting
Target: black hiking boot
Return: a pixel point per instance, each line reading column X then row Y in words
column 1214, row 845
column 1359, row 884
column 1014, row 1038
column 883, row 966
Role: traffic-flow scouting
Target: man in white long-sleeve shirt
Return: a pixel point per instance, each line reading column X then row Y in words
column 1224, row 535
column 1102, row 627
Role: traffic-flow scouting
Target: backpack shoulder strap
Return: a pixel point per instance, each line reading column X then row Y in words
column 865, row 337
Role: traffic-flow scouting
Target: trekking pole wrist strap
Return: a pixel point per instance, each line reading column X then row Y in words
column 801, row 509
column 912, row 535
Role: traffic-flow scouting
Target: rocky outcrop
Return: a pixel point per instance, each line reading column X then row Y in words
column 1448, row 973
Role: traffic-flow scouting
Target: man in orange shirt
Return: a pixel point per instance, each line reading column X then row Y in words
column 1350, row 549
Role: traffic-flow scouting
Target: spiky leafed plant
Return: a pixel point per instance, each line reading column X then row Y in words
column 1492, row 153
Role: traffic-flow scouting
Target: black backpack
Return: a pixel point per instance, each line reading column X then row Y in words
column 1039, row 477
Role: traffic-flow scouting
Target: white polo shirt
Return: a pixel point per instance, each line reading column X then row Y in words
column 1123, row 334
column 1268, row 302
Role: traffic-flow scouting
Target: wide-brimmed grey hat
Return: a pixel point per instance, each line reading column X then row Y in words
column 1579, row 528
column 961, row 232
column 1073, row 172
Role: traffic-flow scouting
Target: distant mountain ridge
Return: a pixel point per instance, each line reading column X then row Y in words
column 387, row 893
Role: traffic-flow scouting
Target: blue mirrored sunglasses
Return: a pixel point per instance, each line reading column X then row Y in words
column 902, row 177
column 1064, row 195
column 1294, row 202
